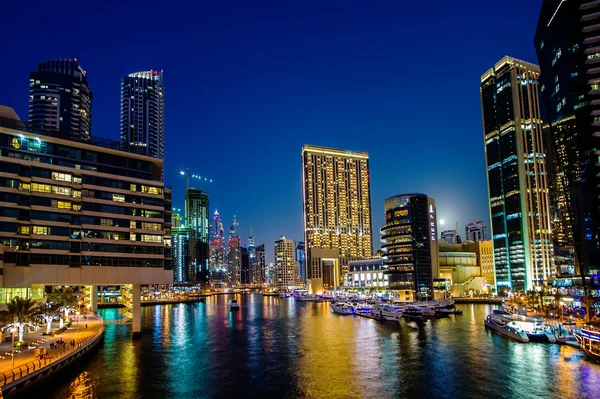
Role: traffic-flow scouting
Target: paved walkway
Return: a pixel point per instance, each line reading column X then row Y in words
column 93, row 322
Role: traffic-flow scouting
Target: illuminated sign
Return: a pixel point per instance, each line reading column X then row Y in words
column 432, row 222
column 15, row 143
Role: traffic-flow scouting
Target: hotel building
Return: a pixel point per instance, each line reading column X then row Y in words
column 81, row 214
column 285, row 275
column 337, row 208
column 517, row 176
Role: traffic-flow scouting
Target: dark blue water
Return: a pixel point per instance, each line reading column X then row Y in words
column 278, row 348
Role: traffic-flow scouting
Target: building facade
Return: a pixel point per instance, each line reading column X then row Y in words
column 517, row 176
column 409, row 239
column 261, row 275
column 566, row 42
column 300, row 258
column 450, row 237
column 367, row 275
column 284, row 263
column 196, row 217
column 60, row 100
column 184, row 251
column 244, row 266
column 337, row 204
column 476, row 231
column 74, row 213
column 234, row 261
column 143, row 113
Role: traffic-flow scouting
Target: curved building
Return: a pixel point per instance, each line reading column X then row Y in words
column 409, row 240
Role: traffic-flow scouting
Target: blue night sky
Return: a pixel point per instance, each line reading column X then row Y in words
column 249, row 82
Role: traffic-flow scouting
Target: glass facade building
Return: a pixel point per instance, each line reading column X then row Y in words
column 567, row 42
column 517, row 176
column 60, row 100
column 409, row 241
column 196, row 215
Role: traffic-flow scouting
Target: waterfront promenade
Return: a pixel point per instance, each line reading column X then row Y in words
column 26, row 361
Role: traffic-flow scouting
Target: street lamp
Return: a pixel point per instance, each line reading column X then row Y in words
column 12, row 351
column 77, row 323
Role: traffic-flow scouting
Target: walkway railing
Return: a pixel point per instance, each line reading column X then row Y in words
column 35, row 365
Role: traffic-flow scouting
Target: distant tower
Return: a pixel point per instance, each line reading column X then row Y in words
column 196, row 215
column 143, row 113
column 233, row 230
column 60, row 100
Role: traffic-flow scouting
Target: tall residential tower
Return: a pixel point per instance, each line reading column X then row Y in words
column 60, row 100
column 143, row 113
column 337, row 206
column 516, row 172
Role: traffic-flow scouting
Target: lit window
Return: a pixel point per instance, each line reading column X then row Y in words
column 76, row 194
column 151, row 190
column 151, row 238
column 61, row 190
column 77, row 179
column 23, row 230
column 77, row 207
column 118, row 198
column 62, row 176
column 132, row 224
column 43, row 188
column 44, row 230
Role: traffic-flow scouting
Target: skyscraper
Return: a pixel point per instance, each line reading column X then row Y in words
column 143, row 113
column 260, row 277
column 337, row 204
column 476, row 231
column 216, row 248
column 450, row 237
column 244, row 266
column 301, row 259
column 566, row 42
column 184, row 259
column 409, row 238
column 284, row 263
column 196, row 215
column 60, row 100
column 234, row 261
column 516, row 165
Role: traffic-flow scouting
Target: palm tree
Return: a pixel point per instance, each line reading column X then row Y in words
column 65, row 301
column 22, row 312
column 588, row 301
column 48, row 312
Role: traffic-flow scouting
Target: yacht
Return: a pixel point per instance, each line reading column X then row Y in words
column 342, row 308
column 412, row 312
column 233, row 304
column 511, row 326
column 427, row 311
column 386, row 312
column 589, row 340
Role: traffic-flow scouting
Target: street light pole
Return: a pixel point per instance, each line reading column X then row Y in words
column 12, row 347
column 77, row 324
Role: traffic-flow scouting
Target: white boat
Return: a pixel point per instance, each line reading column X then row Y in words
column 387, row 312
column 508, row 326
column 427, row 311
column 342, row 308
column 233, row 304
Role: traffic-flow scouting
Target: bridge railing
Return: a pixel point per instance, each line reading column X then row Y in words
column 28, row 368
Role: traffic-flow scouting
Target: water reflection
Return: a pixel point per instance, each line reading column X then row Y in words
column 279, row 348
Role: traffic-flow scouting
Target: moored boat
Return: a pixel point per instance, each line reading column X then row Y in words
column 506, row 326
column 233, row 304
column 386, row 312
column 589, row 340
column 342, row 308
column 412, row 312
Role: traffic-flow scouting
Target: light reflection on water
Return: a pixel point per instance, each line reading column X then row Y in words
column 279, row 348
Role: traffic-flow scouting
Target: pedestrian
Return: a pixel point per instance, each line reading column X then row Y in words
column 86, row 326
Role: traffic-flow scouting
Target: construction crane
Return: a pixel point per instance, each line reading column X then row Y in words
column 186, row 172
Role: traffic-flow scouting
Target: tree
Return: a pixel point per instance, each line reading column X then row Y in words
column 22, row 313
column 48, row 312
column 588, row 301
column 65, row 301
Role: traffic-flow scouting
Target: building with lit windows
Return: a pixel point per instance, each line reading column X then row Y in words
column 261, row 267
column 476, row 231
column 184, row 259
column 450, row 236
column 196, row 217
column 409, row 240
column 143, row 113
column 367, row 275
column 566, row 42
column 285, row 275
column 234, row 261
column 337, row 206
column 60, row 100
column 517, row 176
column 81, row 214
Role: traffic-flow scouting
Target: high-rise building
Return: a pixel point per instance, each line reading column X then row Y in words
column 184, row 255
column 566, row 42
column 409, row 239
column 254, row 274
column 301, row 259
column 284, row 263
column 143, row 113
column 69, row 220
column 260, row 276
column 337, row 204
column 234, row 261
column 60, row 100
column 175, row 220
column 216, row 230
column 216, row 249
column 196, row 217
column 450, row 237
column 244, row 266
column 485, row 258
column 233, row 230
column 516, row 170
column 476, row 231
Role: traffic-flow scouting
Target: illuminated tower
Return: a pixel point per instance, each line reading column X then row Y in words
column 516, row 172
column 143, row 113
column 196, row 217
column 60, row 100
column 337, row 206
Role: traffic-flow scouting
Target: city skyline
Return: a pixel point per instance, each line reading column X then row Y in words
column 371, row 95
